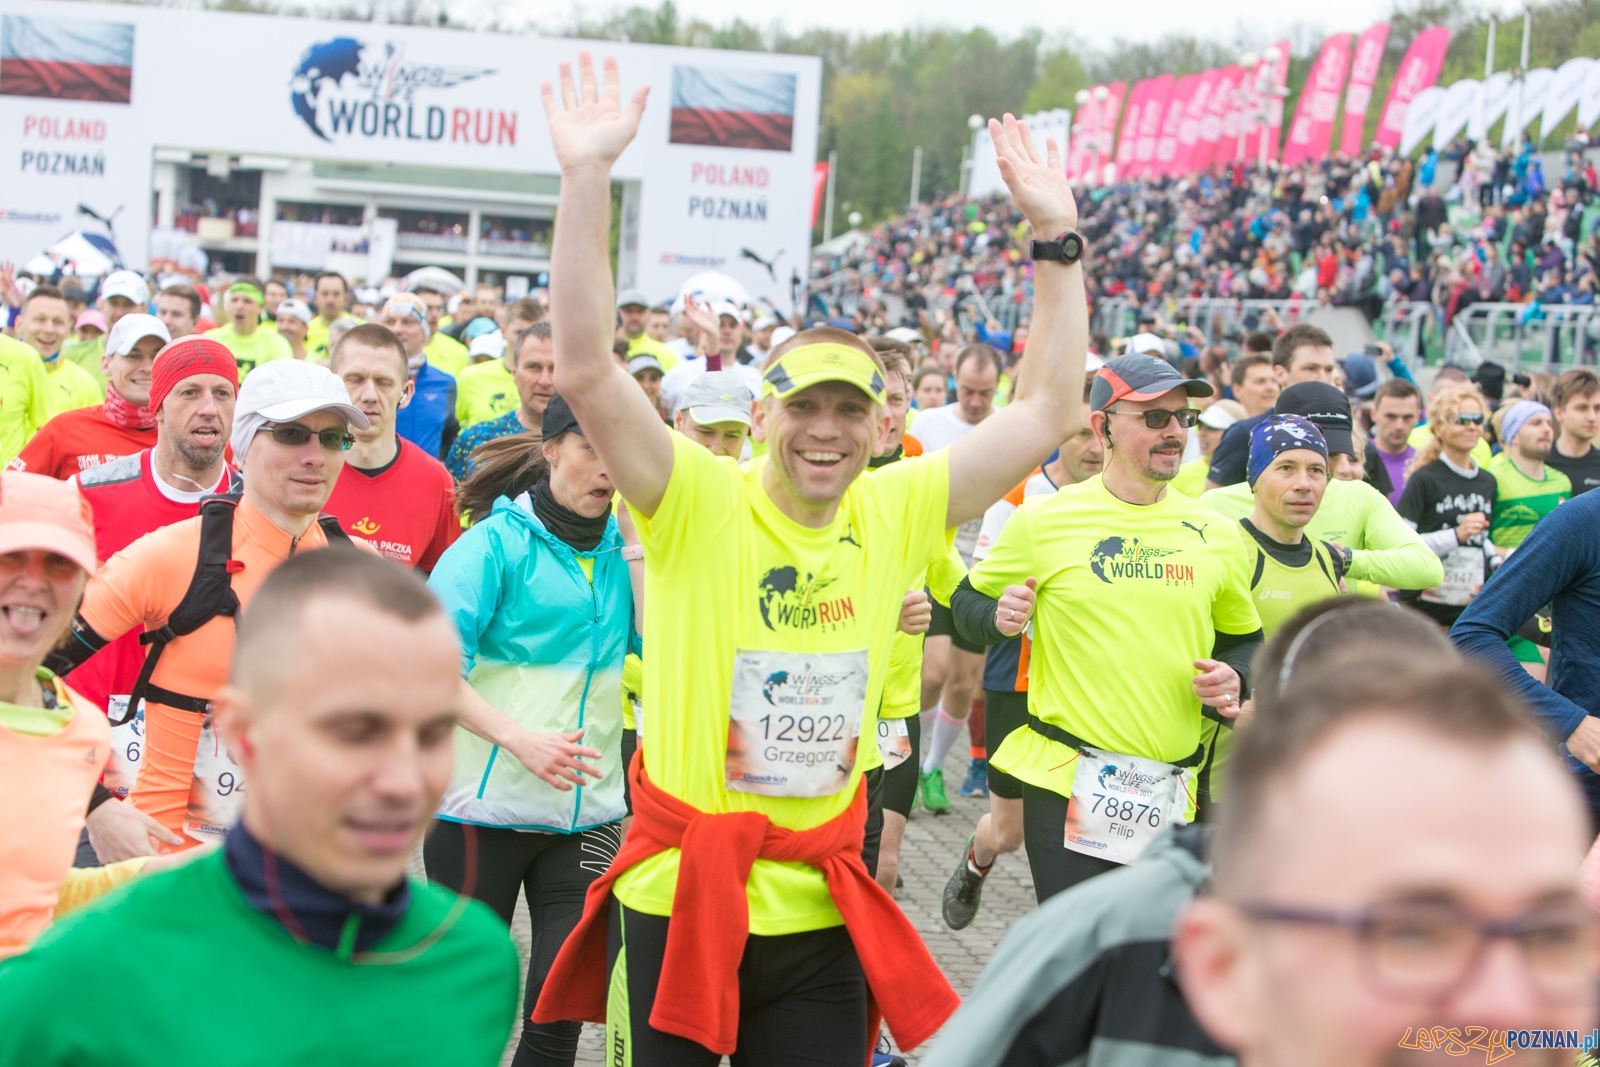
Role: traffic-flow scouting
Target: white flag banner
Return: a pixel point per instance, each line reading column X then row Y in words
column 1460, row 103
column 1520, row 115
column 1496, row 98
column 1565, row 89
column 1421, row 115
column 1589, row 98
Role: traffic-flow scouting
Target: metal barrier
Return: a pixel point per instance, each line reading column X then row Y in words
column 1545, row 338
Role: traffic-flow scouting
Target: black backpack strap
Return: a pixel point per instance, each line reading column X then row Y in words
column 332, row 530
column 210, row 594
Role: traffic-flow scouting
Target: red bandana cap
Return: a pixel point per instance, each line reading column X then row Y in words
column 186, row 357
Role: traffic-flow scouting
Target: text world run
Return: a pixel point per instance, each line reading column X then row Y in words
column 1170, row 572
column 408, row 122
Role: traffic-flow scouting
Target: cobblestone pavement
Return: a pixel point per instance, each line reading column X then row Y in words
column 927, row 858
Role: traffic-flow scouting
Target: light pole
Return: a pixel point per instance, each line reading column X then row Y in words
column 827, row 208
column 916, row 177
column 1266, row 90
column 974, row 123
column 1242, row 98
column 1102, row 138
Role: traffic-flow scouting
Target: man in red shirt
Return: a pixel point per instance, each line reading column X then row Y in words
column 391, row 493
column 191, row 391
column 76, row 440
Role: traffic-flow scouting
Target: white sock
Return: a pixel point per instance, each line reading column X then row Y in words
column 946, row 731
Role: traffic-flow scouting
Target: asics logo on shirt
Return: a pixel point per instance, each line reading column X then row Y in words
column 791, row 603
column 1130, row 557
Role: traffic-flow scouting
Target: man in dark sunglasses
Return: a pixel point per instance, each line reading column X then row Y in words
column 291, row 428
column 1125, row 570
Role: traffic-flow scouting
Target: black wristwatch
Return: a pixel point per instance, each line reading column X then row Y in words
column 1067, row 248
column 1347, row 556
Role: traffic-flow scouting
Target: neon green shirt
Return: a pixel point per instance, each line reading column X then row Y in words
column 727, row 572
column 251, row 350
column 87, row 354
column 645, row 345
column 1521, row 502
column 1129, row 597
column 1387, row 552
column 1191, row 479
column 446, row 353
column 485, row 391
column 70, row 386
column 317, row 336
column 24, row 396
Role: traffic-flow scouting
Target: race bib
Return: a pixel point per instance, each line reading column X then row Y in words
column 1463, row 577
column 217, row 790
column 894, row 742
column 1119, row 803
column 967, row 538
column 794, row 721
column 127, row 747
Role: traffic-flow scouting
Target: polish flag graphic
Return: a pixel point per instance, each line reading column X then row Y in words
column 66, row 59
column 733, row 108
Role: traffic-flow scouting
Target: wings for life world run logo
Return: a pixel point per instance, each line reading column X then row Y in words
column 349, row 89
column 1129, row 558
column 789, row 602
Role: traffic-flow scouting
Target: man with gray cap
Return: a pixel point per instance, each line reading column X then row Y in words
column 122, row 292
column 633, row 311
column 715, row 412
column 291, row 428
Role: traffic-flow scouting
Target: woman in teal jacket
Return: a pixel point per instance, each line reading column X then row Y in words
column 542, row 598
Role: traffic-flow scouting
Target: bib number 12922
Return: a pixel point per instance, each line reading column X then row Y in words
column 794, row 721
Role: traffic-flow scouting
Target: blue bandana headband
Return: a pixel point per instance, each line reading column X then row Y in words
column 1278, row 434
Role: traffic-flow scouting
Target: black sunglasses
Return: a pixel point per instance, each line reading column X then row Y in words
column 1468, row 420
column 1157, row 418
column 293, row 435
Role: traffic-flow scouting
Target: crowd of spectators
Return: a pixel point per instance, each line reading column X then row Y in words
column 1468, row 224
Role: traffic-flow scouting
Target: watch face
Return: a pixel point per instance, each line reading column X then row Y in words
column 1072, row 246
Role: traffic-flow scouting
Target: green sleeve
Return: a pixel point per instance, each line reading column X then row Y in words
column 945, row 574
column 1388, row 552
column 1234, row 610
column 1010, row 561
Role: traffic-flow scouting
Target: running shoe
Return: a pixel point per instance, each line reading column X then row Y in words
column 883, row 1057
column 963, row 893
column 977, row 783
column 930, row 784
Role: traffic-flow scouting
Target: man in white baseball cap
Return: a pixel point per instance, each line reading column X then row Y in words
column 715, row 412
column 294, row 321
column 122, row 425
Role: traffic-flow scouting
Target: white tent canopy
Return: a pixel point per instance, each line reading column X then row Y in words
column 78, row 253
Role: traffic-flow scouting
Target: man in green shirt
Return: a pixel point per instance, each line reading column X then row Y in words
column 444, row 351
column 302, row 937
column 242, row 333
column 1529, row 490
column 329, row 297
column 487, row 390
column 122, row 292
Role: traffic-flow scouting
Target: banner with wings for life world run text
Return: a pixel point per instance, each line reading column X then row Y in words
column 732, row 108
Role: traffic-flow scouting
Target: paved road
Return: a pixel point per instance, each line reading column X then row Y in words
column 929, row 855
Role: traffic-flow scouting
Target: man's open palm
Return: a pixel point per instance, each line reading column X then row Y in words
column 1038, row 183
column 588, row 126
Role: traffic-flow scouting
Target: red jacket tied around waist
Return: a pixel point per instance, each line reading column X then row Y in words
column 698, row 995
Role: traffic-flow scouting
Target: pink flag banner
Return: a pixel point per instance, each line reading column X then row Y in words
column 1150, row 118
column 1128, row 139
column 1418, row 70
column 1085, row 121
column 1364, row 64
column 1311, row 132
column 1277, row 78
column 1167, row 160
column 1214, row 146
column 1189, row 132
column 1106, row 134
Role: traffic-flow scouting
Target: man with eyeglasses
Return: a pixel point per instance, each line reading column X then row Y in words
column 1441, row 915
column 291, row 429
column 1146, row 626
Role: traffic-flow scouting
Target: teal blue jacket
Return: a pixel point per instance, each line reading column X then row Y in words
column 543, row 644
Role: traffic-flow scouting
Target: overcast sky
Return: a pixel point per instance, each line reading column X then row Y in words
column 1094, row 21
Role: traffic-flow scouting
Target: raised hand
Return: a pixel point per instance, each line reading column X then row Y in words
column 1038, row 185
column 588, row 127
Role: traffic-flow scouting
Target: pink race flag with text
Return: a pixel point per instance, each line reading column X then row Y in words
column 1418, row 70
column 1311, row 132
column 1364, row 64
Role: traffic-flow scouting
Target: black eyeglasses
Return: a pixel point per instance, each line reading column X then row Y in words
column 1157, row 418
column 1469, row 420
column 1428, row 950
column 293, row 435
